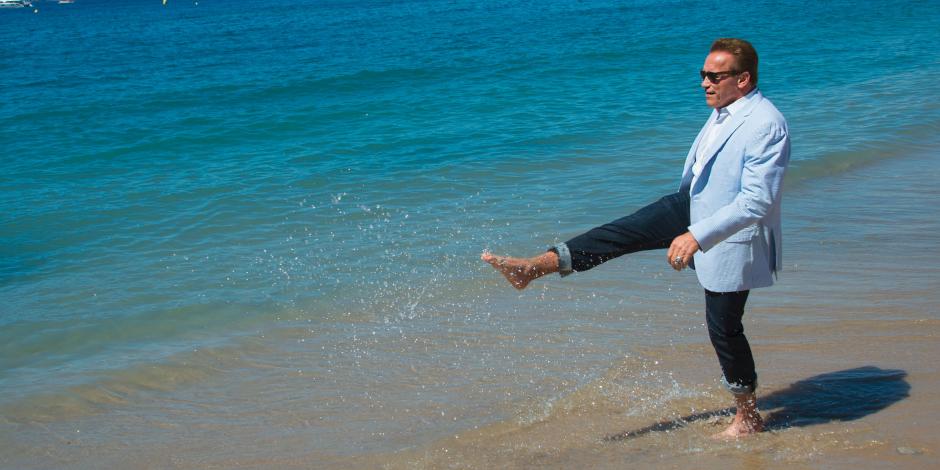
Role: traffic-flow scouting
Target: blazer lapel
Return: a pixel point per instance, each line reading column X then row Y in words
column 690, row 158
column 728, row 129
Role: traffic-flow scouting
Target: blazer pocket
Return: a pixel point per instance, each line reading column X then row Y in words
column 746, row 234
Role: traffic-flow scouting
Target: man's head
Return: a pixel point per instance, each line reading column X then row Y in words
column 730, row 71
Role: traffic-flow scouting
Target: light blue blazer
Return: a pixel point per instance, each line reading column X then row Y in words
column 735, row 204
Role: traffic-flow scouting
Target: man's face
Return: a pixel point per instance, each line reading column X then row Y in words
column 727, row 90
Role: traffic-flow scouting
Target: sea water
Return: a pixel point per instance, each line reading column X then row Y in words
column 252, row 228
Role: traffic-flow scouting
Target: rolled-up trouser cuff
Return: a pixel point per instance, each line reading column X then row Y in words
column 564, row 258
column 739, row 389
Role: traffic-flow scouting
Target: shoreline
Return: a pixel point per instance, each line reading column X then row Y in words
column 851, row 313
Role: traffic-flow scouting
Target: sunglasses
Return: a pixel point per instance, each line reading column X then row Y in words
column 715, row 77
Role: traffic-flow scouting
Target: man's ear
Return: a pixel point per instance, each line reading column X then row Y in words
column 744, row 80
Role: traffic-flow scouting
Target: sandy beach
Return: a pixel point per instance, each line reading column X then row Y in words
column 828, row 405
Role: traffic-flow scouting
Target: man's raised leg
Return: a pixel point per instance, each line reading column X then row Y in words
column 651, row 227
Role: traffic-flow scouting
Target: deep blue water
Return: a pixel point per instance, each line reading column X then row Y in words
column 179, row 178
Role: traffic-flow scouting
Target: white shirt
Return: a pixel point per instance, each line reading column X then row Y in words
column 714, row 130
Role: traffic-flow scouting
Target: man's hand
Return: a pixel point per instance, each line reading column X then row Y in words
column 681, row 251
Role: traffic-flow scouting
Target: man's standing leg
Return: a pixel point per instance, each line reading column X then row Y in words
column 723, row 311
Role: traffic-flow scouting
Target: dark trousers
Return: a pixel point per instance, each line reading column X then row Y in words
column 654, row 227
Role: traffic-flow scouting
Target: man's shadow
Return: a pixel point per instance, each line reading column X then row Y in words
column 845, row 395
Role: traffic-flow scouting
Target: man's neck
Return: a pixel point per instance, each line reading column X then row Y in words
column 744, row 96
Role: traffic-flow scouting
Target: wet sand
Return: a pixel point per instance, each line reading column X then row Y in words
column 852, row 401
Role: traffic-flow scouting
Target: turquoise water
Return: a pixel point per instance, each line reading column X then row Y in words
column 230, row 195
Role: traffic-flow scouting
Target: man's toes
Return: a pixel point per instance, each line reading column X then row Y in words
column 491, row 259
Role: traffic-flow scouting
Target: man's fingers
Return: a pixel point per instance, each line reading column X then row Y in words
column 681, row 250
column 678, row 257
column 675, row 258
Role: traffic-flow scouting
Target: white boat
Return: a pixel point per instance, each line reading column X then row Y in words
column 14, row 4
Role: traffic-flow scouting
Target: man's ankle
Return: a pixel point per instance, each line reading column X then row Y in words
column 546, row 263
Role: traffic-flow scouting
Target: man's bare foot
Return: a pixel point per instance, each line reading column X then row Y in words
column 521, row 271
column 740, row 428
column 747, row 419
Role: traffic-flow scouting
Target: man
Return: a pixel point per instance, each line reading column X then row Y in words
column 724, row 221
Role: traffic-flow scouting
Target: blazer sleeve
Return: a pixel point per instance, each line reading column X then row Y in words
column 767, row 153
